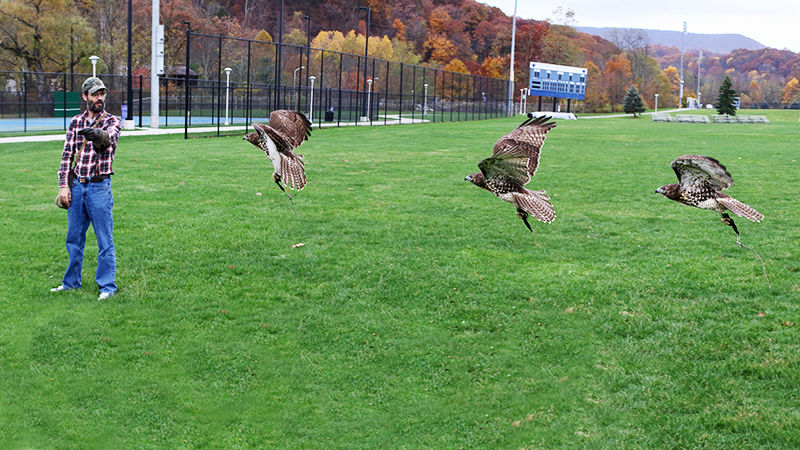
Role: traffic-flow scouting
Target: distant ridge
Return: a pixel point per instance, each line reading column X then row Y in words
column 715, row 43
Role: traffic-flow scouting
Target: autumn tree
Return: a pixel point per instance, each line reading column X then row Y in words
column 791, row 92
column 616, row 77
column 727, row 98
column 438, row 49
column 595, row 97
column 35, row 36
column 494, row 67
column 755, row 92
column 633, row 102
column 399, row 29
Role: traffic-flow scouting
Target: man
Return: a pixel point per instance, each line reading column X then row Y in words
column 91, row 142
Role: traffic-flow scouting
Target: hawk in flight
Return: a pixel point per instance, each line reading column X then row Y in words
column 701, row 182
column 285, row 132
column 514, row 161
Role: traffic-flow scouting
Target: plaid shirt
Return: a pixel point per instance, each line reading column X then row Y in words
column 89, row 161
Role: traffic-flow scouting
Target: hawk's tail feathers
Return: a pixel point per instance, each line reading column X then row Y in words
column 536, row 204
column 740, row 209
column 292, row 173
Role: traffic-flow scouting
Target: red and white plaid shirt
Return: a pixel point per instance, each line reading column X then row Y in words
column 89, row 162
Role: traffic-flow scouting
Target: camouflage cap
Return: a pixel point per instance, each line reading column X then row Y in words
column 93, row 84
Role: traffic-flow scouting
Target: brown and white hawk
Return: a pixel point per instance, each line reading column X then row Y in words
column 514, row 161
column 285, row 132
column 701, row 182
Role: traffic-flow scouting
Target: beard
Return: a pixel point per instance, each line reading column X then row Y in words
column 95, row 107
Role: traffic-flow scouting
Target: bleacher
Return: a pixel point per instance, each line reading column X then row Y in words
column 692, row 118
column 724, row 118
column 686, row 118
column 663, row 117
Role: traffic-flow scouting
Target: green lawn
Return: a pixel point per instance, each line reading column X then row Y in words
column 420, row 312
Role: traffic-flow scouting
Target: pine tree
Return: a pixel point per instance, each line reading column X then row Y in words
column 726, row 99
column 633, row 101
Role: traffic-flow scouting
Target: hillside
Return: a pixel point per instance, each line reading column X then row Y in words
column 714, row 43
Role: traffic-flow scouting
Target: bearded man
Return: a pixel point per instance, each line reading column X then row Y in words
column 84, row 181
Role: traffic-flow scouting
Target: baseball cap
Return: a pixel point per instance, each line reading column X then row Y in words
column 93, row 84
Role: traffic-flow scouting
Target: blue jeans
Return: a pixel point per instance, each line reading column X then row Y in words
column 91, row 204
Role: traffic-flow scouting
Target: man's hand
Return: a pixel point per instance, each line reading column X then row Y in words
column 65, row 196
column 98, row 137
column 89, row 133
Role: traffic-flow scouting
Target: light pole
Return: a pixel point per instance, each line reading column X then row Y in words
column 369, row 99
column 227, row 92
column 656, row 104
column 425, row 101
column 294, row 77
column 511, row 69
column 311, row 101
column 129, row 118
column 94, row 60
column 699, row 58
column 680, row 91
column 366, row 51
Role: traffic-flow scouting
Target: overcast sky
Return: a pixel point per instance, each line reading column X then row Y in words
column 774, row 23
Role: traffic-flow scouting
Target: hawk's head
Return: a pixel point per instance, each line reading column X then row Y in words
column 252, row 138
column 477, row 179
column 671, row 191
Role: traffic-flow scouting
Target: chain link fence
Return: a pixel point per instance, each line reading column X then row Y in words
column 233, row 81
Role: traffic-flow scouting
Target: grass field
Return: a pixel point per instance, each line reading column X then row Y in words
column 419, row 312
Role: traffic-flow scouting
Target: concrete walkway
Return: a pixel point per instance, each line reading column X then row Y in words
column 390, row 120
column 608, row 116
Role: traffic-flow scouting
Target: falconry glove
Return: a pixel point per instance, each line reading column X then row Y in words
column 98, row 137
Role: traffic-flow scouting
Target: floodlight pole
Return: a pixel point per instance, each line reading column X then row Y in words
column 154, row 83
column 511, row 69
column 699, row 58
column 366, row 50
column 656, row 103
column 680, row 91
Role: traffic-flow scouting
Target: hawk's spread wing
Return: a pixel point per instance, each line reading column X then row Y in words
column 694, row 170
column 507, row 167
column 293, row 127
column 528, row 139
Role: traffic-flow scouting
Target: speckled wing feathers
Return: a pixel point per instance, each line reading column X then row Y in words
column 293, row 127
column 528, row 137
column 695, row 170
column 506, row 170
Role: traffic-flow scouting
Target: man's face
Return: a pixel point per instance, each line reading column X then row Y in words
column 95, row 102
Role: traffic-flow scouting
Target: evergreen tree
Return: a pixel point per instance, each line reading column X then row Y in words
column 727, row 98
column 633, row 101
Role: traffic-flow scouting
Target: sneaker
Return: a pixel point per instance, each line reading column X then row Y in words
column 59, row 288
column 105, row 295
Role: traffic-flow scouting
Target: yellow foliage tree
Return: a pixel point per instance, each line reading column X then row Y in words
column 791, row 92
column 263, row 36
column 439, row 49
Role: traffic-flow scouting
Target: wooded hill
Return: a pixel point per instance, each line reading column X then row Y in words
column 459, row 35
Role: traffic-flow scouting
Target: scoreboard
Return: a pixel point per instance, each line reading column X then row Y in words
column 551, row 80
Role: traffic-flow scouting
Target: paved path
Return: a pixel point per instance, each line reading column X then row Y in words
column 630, row 115
column 391, row 120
